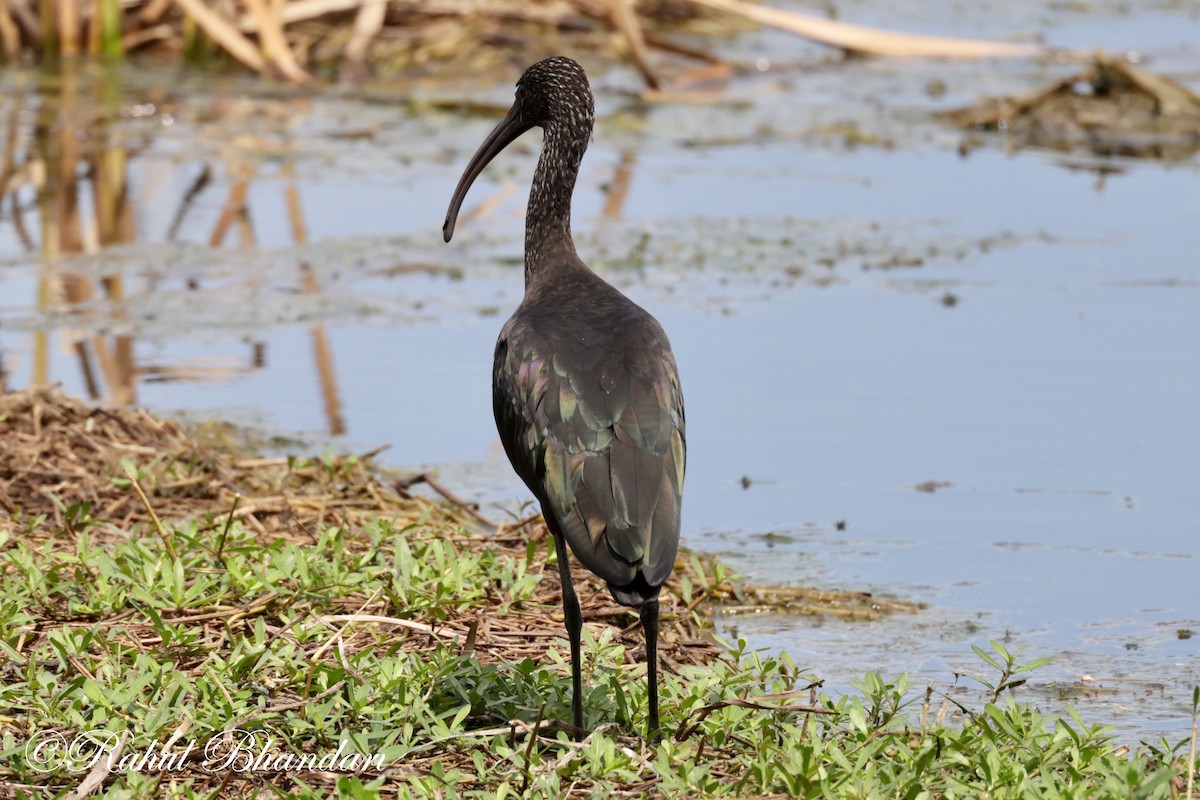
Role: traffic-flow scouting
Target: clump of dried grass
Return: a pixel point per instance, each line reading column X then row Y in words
column 57, row 452
column 300, row 38
column 1110, row 107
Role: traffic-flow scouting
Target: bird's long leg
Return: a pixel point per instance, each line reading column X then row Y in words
column 649, row 614
column 574, row 621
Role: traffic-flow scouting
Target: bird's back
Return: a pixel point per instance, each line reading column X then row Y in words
column 588, row 405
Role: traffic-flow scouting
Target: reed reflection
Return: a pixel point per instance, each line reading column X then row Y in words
column 72, row 185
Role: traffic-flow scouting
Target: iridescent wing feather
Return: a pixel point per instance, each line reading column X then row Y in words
column 593, row 423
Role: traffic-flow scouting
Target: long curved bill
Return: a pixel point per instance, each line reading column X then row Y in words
column 501, row 136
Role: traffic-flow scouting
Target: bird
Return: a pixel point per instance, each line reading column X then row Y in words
column 585, row 388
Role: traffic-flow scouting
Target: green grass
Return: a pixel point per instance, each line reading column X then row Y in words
column 124, row 636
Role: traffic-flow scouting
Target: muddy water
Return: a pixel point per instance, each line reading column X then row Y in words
column 985, row 367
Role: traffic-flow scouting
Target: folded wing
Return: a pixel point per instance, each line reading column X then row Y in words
column 594, row 425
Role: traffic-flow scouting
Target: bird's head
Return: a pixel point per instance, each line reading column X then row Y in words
column 553, row 93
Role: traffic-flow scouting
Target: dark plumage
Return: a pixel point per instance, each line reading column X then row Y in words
column 584, row 386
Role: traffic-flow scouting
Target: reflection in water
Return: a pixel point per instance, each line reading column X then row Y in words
column 198, row 185
column 66, row 156
column 322, row 352
column 73, row 163
column 236, row 210
column 614, row 201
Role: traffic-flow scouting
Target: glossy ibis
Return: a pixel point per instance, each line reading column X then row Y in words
column 584, row 385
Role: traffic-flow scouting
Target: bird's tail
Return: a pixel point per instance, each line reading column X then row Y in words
column 634, row 593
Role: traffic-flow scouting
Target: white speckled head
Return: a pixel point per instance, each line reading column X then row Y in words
column 553, row 94
column 556, row 91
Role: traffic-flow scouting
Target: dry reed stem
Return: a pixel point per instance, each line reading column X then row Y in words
column 368, row 22
column 153, row 11
column 301, row 10
column 26, row 20
column 279, row 52
column 103, row 767
column 68, row 27
column 626, row 21
column 10, row 37
column 870, row 41
column 224, row 33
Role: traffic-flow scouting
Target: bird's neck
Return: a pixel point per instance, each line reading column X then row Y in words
column 548, row 240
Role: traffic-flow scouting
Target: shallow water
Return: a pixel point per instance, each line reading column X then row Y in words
column 851, row 321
